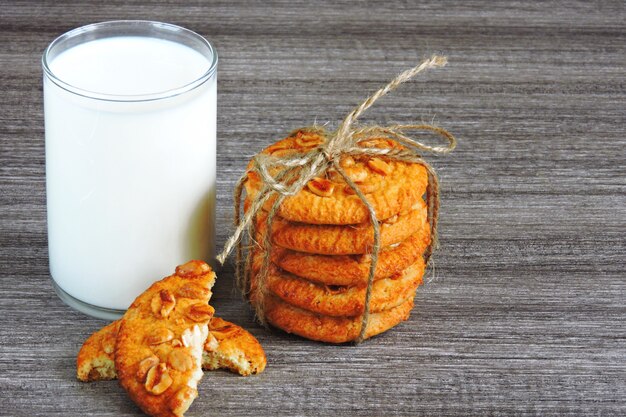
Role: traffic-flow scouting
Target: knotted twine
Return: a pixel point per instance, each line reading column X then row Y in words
column 293, row 172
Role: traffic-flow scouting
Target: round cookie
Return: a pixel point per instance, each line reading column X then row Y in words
column 353, row 270
column 338, row 301
column 346, row 239
column 159, row 345
column 391, row 187
column 331, row 329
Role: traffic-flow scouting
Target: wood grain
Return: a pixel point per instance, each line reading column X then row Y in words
column 526, row 315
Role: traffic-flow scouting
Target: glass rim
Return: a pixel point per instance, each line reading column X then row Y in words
column 159, row 95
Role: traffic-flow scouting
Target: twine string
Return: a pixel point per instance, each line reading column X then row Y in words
column 375, row 249
column 285, row 176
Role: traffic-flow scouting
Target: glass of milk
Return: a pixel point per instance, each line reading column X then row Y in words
column 130, row 159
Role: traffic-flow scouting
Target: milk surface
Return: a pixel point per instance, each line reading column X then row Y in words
column 130, row 185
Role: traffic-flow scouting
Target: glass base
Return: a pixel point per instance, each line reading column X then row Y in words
column 90, row 310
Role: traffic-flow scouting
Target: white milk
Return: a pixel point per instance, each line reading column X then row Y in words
column 130, row 185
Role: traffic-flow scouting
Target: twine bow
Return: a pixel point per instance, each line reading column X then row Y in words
column 285, row 176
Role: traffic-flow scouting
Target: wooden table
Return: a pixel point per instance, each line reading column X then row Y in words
column 526, row 314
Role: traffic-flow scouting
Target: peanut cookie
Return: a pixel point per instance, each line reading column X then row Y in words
column 352, row 270
column 346, row 239
column 159, row 345
column 341, row 301
column 331, row 329
column 236, row 349
column 390, row 186
column 96, row 358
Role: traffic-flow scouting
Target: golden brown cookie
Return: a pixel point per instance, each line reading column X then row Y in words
column 331, row 329
column 391, row 187
column 347, row 239
column 96, row 358
column 352, row 270
column 158, row 352
column 341, row 301
column 237, row 351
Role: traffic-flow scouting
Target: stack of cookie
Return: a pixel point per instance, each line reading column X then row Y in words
column 322, row 240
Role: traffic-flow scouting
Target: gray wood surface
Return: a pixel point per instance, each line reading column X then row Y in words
column 526, row 315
